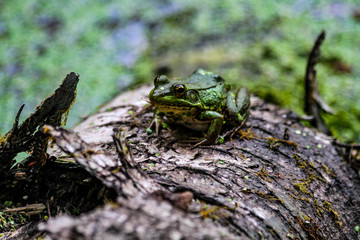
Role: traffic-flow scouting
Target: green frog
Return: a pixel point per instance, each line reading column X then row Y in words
column 201, row 102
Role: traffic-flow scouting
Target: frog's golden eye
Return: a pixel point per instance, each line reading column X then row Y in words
column 179, row 90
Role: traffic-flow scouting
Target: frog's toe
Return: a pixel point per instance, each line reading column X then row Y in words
column 203, row 142
column 155, row 122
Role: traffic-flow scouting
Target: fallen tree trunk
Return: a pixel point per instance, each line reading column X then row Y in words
column 277, row 179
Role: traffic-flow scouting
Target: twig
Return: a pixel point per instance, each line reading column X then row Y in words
column 346, row 145
column 16, row 123
column 313, row 102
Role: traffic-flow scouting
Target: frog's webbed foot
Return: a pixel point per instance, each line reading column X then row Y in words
column 233, row 130
column 157, row 122
column 213, row 132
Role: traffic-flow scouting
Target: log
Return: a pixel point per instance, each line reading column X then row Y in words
column 276, row 179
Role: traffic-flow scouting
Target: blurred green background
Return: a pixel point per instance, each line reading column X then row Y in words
column 114, row 45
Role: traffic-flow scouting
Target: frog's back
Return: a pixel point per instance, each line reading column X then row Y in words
column 202, row 79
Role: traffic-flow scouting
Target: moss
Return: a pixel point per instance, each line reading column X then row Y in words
column 209, row 211
column 267, row 196
column 328, row 207
column 2, row 140
column 319, row 208
column 275, row 142
column 247, row 135
column 263, row 174
column 215, row 211
column 303, row 184
column 311, row 228
column 302, row 163
column 328, row 171
column 301, row 198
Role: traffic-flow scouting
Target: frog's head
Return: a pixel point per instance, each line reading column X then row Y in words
column 173, row 93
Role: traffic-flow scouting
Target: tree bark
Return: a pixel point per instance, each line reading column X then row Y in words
column 276, row 179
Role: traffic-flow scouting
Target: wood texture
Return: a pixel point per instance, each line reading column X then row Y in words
column 258, row 186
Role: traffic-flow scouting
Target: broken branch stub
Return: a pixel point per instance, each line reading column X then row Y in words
column 313, row 101
column 26, row 137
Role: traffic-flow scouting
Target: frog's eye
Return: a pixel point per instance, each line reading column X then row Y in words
column 161, row 80
column 179, row 90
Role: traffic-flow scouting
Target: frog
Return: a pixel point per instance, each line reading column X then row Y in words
column 202, row 102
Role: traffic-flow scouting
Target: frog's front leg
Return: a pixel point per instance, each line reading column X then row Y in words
column 157, row 120
column 214, row 129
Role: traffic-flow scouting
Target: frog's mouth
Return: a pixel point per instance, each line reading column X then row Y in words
column 171, row 101
column 175, row 108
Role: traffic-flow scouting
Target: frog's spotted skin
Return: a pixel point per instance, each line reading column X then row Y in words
column 202, row 102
